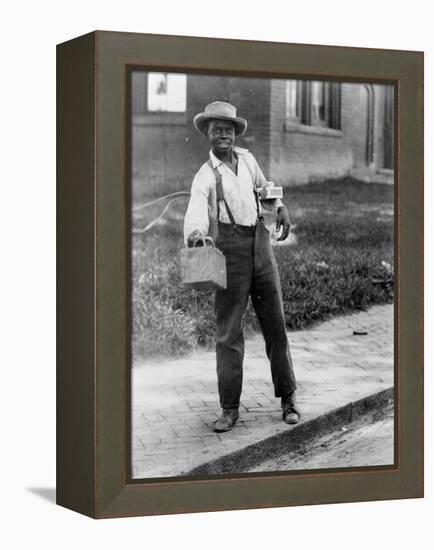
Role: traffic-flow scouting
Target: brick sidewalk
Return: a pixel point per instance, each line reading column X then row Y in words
column 175, row 402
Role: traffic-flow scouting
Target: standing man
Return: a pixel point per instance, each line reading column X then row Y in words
column 226, row 187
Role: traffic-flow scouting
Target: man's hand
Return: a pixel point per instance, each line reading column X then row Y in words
column 282, row 221
column 192, row 237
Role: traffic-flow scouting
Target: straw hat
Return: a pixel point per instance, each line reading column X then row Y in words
column 223, row 111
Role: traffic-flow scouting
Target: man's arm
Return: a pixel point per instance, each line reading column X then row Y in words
column 282, row 216
column 261, row 181
column 196, row 217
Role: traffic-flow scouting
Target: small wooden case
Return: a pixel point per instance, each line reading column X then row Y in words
column 270, row 192
column 203, row 267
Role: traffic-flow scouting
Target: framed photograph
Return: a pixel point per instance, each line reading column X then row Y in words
column 240, row 274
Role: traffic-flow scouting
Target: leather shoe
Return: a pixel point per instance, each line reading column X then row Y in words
column 226, row 420
column 290, row 413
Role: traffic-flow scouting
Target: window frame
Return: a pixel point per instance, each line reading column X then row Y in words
column 142, row 116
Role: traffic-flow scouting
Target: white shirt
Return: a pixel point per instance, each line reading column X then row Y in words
column 238, row 190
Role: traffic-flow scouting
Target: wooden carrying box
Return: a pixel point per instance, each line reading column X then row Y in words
column 203, row 267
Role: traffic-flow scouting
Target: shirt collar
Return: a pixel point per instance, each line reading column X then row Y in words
column 216, row 161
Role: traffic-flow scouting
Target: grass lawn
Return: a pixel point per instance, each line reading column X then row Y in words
column 333, row 265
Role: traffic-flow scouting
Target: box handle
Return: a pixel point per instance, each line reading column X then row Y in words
column 204, row 240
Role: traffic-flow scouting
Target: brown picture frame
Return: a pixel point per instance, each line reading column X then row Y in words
column 93, row 358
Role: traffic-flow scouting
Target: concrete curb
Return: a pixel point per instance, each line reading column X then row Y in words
column 293, row 438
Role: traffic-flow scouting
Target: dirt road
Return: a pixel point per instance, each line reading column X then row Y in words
column 366, row 442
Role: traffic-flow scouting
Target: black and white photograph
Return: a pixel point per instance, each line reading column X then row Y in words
column 262, row 274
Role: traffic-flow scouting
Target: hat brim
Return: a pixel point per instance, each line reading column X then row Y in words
column 201, row 120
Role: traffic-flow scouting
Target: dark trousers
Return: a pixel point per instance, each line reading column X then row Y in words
column 251, row 271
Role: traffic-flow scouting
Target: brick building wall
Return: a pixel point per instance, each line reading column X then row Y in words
column 167, row 150
column 300, row 153
column 356, row 106
column 381, row 132
column 367, row 130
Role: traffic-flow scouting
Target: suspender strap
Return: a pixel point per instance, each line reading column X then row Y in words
column 219, row 193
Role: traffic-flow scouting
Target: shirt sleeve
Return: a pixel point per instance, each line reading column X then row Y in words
column 196, row 216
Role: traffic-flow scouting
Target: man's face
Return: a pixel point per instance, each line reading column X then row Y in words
column 221, row 134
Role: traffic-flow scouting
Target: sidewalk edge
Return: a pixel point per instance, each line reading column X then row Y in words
column 293, row 438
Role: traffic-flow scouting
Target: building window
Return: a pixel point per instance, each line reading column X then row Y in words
column 293, row 99
column 314, row 103
column 167, row 92
column 326, row 104
column 298, row 101
column 319, row 102
column 334, row 105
